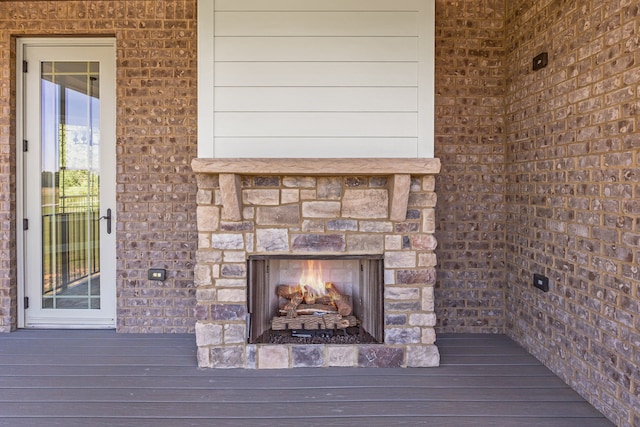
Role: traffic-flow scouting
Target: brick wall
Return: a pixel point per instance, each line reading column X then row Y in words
column 156, row 128
column 574, row 194
column 470, row 87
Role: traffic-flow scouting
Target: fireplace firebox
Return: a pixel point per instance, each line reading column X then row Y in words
column 314, row 299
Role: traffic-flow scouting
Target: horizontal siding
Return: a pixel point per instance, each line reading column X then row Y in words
column 316, row 147
column 316, row 78
column 316, row 49
column 316, row 99
column 316, row 124
column 316, row 24
column 317, row 74
column 289, row 5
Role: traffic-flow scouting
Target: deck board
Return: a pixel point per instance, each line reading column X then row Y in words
column 417, row 394
column 276, row 383
column 100, row 378
column 408, row 421
column 301, row 410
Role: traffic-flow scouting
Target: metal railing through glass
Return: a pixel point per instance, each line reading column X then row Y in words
column 71, row 243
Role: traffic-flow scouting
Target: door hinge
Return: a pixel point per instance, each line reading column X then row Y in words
column 25, row 224
column 24, row 66
column 25, row 145
column 26, row 302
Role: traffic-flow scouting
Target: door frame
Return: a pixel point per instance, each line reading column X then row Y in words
column 21, row 44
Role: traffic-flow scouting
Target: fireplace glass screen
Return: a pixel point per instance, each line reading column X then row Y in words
column 312, row 299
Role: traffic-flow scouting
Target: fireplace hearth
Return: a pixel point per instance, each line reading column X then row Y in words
column 368, row 224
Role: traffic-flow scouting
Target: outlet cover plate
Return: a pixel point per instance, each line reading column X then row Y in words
column 157, row 274
column 541, row 282
column 540, row 61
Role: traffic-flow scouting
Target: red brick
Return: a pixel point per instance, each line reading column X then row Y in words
column 166, row 30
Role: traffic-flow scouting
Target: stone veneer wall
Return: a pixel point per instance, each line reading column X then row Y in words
column 469, row 140
column 303, row 215
column 573, row 141
column 156, row 140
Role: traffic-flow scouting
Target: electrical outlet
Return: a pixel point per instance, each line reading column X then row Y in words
column 157, row 274
column 541, row 282
column 540, row 61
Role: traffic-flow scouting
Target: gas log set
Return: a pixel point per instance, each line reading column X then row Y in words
column 309, row 308
column 328, row 300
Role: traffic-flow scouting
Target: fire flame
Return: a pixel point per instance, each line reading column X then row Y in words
column 311, row 283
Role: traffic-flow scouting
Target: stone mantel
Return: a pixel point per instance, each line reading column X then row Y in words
column 321, row 167
column 399, row 169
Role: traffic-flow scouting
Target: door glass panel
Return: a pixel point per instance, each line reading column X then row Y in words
column 70, row 176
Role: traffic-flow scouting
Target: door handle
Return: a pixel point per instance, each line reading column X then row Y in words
column 108, row 218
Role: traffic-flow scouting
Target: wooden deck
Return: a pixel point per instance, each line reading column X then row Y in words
column 100, row 378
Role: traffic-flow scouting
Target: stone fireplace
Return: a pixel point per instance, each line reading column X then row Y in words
column 373, row 217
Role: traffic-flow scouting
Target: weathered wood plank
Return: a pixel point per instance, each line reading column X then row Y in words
column 361, row 166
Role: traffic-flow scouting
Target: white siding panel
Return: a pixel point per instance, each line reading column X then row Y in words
column 335, row 74
column 316, row 147
column 426, row 88
column 206, row 79
column 316, row 78
column 316, row 99
column 316, row 124
column 315, row 24
column 283, row 5
column 316, row 48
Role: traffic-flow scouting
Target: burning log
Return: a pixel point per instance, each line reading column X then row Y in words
column 306, row 300
column 311, row 294
column 291, row 307
column 287, row 291
column 303, row 309
column 342, row 302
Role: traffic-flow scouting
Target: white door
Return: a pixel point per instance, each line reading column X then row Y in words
column 66, row 182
